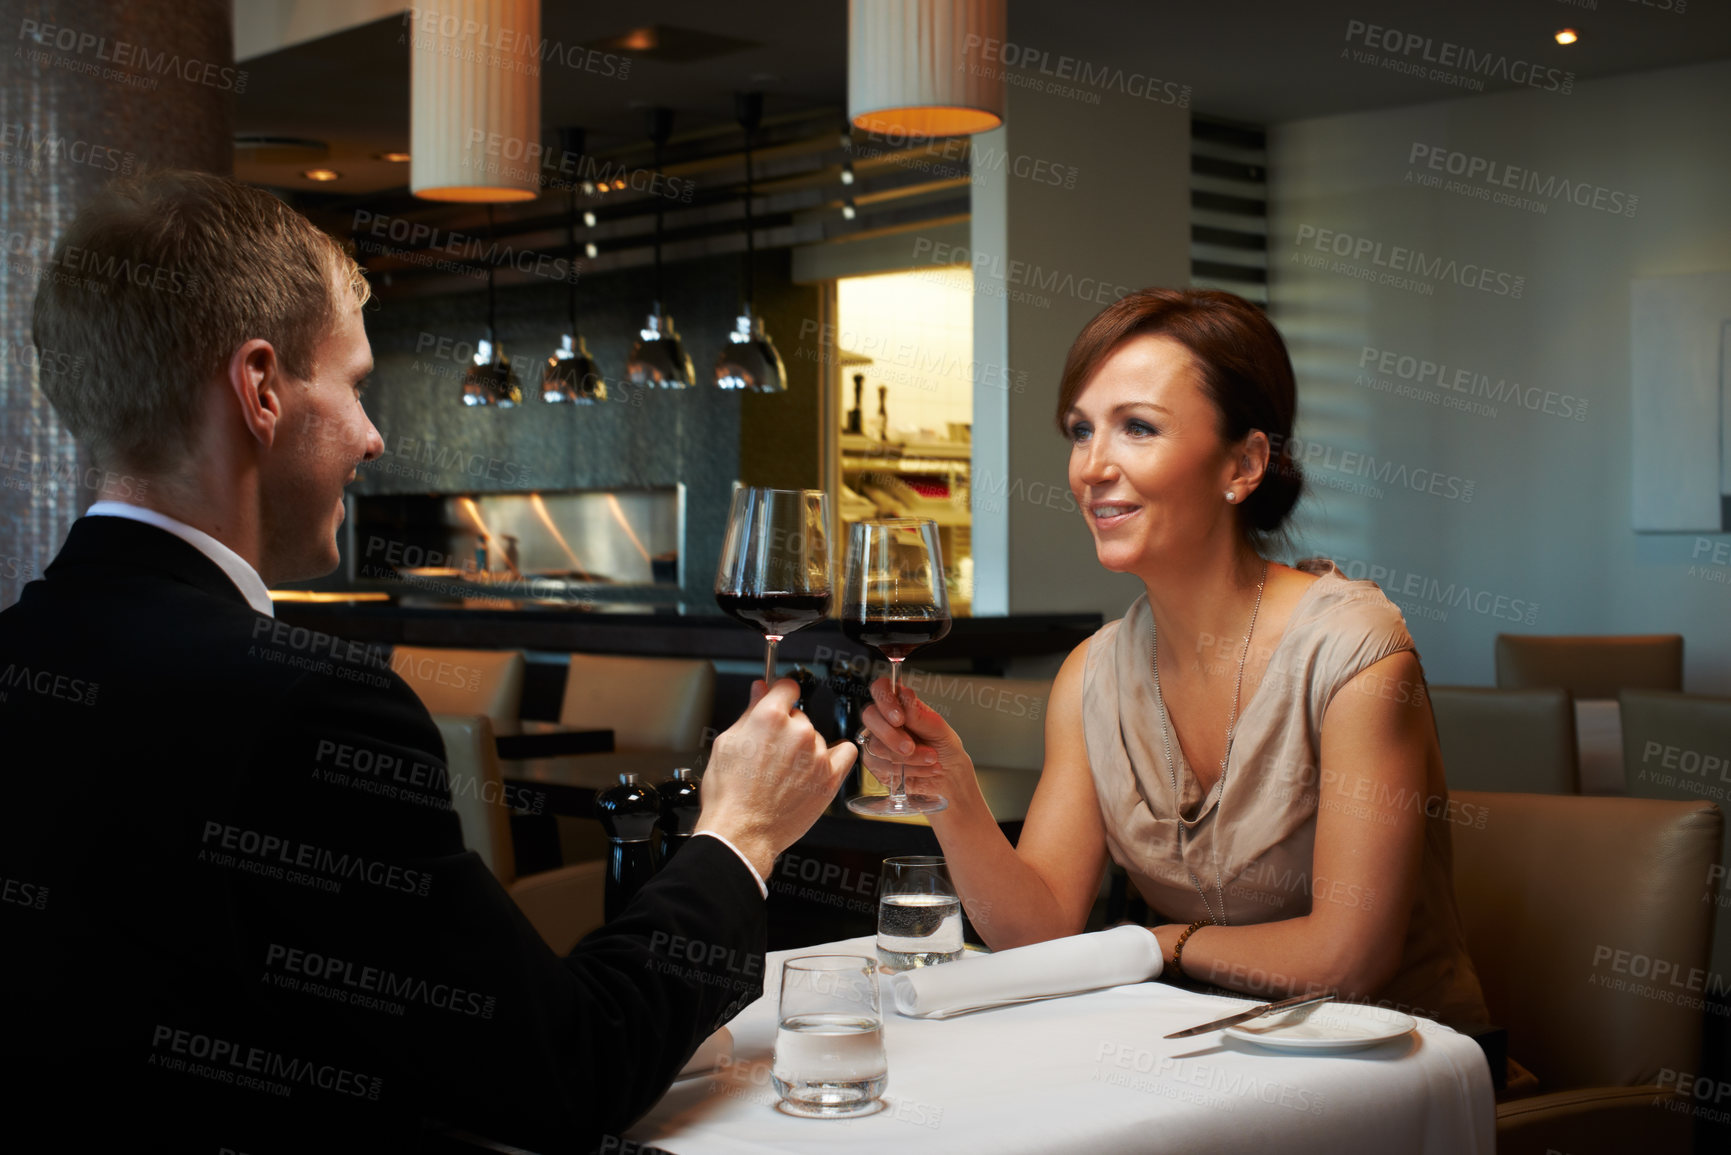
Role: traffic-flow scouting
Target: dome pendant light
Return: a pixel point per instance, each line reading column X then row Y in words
column 748, row 359
column 490, row 380
column 658, row 356
column 571, row 375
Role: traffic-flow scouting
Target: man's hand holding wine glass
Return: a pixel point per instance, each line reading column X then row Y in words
column 770, row 775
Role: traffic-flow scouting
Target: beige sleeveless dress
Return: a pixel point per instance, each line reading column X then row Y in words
column 1262, row 829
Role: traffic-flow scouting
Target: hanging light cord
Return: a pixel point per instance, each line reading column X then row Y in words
column 657, row 163
column 571, row 235
column 750, row 232
column 492, row 315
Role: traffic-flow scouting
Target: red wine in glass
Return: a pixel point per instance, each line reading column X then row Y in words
column 900, row 632
column 894, row 601
column 774, row 569
column 776, row 613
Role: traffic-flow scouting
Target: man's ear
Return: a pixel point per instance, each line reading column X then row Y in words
column 255, row 379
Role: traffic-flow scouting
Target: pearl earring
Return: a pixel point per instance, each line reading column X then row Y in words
column 1231, row 496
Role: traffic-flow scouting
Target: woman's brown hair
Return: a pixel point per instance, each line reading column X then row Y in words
column 1244, row 370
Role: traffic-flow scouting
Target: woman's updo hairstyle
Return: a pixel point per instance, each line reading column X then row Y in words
column 1245, row 372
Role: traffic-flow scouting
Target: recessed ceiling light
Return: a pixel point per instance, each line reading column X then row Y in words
column 589, row 219
column 1567, row 36
column 393, row 157
column 322, row 174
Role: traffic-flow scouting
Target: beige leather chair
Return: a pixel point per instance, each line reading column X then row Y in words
column 1001, row 721
column 1520, row 740
column 1591, row 667
column 1550, row 892
column 563, row 904
column 486, row 682
column 1594, row 669
column 648, row 703
column 1679, row 746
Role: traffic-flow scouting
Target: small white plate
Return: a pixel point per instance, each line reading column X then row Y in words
column 1325, row 1027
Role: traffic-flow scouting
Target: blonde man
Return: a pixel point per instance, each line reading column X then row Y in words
column 251, row 923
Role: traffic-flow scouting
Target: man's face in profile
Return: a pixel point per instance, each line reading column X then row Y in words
column 324, row 434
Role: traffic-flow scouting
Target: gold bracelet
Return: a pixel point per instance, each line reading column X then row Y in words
column 1178, row 947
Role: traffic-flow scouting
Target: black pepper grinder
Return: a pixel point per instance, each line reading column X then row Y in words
column 680, row 805
column 628, row 812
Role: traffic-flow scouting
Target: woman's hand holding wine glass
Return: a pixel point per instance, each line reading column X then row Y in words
column 895, row 602
column 911, row 740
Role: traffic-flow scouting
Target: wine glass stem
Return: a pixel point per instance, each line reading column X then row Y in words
column 770, row 641
column 900, row 793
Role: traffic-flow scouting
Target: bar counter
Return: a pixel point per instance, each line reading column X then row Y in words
column 988, row 643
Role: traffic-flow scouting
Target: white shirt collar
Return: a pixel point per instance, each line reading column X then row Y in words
column 244, row 577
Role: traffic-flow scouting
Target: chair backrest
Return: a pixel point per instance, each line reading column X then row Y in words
column 1679, row 746
column 1590, row 667
column 1001, row 721
column 477, row 791
column 1584, row 920
column 486, row 682
column 1520, row 740
column 648, row 703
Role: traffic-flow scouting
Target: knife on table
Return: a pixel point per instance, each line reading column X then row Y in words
column 1254, row 1013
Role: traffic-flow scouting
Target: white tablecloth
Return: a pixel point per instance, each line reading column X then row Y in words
column 1091, row 1073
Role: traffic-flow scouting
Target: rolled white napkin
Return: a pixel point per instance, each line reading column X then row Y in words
column 1062, row 966
column 710, row 1053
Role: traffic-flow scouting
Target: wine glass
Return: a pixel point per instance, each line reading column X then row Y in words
column 894, row 601
column 774, row 571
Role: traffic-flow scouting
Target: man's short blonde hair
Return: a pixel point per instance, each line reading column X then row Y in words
column 154, row 285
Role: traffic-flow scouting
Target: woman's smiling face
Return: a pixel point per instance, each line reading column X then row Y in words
column 1147, row 464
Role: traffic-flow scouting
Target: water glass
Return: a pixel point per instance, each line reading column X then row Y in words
column 919, row 914
column 829, row 1045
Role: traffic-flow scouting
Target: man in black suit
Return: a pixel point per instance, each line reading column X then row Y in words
column 213, row 939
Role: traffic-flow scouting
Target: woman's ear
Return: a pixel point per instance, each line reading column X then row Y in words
column 1252, row 463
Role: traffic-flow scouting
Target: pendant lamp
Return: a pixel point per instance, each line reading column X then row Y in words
column 491, row 380
column 658, row 357
column 748, row 359
column 475, row 100
column 571, row 375
column 916, row 67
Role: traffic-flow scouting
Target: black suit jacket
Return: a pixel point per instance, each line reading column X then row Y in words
column 235, row 907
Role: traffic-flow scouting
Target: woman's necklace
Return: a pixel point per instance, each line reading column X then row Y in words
column 1220, row 783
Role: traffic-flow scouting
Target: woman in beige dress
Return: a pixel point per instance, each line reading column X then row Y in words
column 1252, row 742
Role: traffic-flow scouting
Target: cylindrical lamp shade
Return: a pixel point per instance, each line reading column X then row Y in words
column 925, row 67
column 475, row 100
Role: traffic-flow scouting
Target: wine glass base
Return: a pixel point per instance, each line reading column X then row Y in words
column 889, row 806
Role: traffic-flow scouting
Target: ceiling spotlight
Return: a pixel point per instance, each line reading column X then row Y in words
column 1567, row 36
column 322, row 174
column 847, row 173
column 589, row 219
column 392, row 157
column 847, row 210
column 590, row 251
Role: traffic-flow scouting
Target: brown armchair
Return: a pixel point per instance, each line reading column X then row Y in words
column 563, row 904
column 1570, row 906
column 1592, row 666
column 486, row 682
column 1522, row 740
